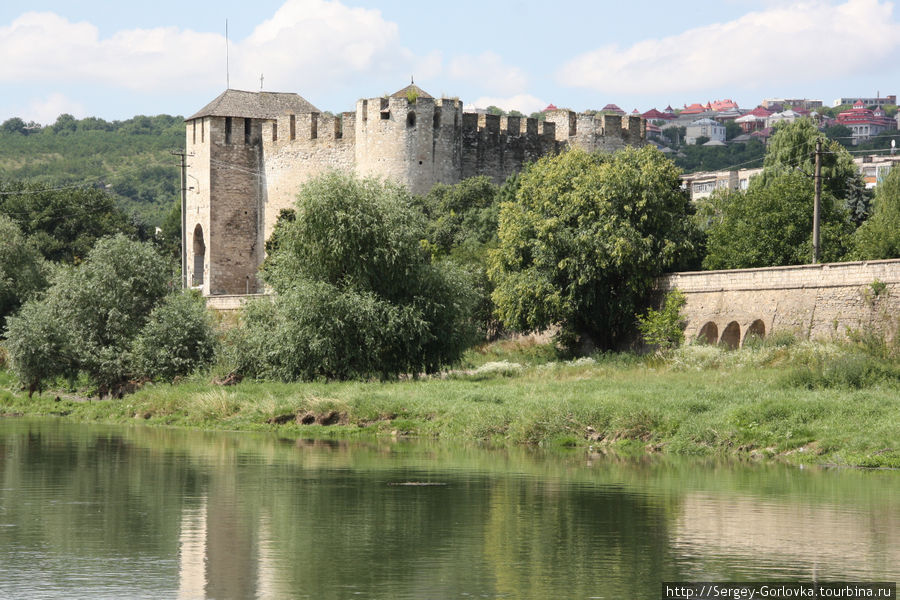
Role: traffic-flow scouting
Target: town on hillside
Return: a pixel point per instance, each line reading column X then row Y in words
column 863, row 124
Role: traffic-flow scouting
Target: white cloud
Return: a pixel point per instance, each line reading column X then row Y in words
column 307, row 44
column 46, row 110
column 490, row 72
column 800, row 43
column 523, row 103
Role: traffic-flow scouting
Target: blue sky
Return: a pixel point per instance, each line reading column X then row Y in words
column 118, row 59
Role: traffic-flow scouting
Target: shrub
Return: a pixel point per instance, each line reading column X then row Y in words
column 664, row 329
column 178, row 338
column 89, row 318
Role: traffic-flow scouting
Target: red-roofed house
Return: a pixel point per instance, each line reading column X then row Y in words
column 550, row 107
column 865, row 123
column 724, row 105
column 655, row 115
column 613, row 109
column 754, row 120
column 694, row 109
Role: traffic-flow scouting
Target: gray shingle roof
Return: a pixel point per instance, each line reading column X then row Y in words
column 255, row 105
column 411, row 89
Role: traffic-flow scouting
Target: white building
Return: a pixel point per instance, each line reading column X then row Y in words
column 704, row 128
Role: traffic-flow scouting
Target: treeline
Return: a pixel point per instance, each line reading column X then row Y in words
column 130, row 159
column 373, row 282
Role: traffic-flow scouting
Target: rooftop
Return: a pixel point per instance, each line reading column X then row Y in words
column 254, row 105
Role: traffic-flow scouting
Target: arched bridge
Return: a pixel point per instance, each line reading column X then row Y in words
column 815, row 301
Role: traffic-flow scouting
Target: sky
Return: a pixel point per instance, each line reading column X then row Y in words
column 118, row 59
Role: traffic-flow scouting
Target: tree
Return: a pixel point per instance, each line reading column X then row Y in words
column 14, row 125
column 22, row 269
column 63, row 224
column 462, row 228
column 664, row 328
column 879, row 237
column 772, row 225
column 840, row 134
column 732, row 130
column 357, row 293
column 584, row 239
column 792, row 148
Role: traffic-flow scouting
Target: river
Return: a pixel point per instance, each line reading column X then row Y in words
column 138, row 512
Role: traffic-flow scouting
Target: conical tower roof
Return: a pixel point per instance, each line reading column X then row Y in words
column 411, row 90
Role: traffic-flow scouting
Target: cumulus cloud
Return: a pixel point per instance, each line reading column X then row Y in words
column 490, row 72
column 306, row 44
column 799, row 43
column 523, row 103
column 46, row 110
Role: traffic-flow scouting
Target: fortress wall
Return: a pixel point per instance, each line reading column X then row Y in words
column 319, row 145
column 498, row 147
column 815, row 301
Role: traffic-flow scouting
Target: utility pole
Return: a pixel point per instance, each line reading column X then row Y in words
column 184, row 189
column 818, row 200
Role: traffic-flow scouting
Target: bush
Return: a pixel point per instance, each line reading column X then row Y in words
column 178, row 338
column 664, row 329
column 39, row 345
column 98, row 318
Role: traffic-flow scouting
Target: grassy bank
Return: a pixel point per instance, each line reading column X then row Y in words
column 798, row 402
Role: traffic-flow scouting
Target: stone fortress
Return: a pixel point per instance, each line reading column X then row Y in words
column 249, row 153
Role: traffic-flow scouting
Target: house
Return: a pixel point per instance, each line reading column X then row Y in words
column 704, row 128
column 864, row 123
column 876, row 101
column 754, row 120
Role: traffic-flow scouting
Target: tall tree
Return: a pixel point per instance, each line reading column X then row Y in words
column 879, row 237
column 793, row 148
column 771, row 225
column 584, row 239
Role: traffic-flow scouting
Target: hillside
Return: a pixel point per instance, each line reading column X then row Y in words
column 131, row 159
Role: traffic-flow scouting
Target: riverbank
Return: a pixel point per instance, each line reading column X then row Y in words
column 800, row 402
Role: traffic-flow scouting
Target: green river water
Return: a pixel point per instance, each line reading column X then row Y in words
column 137, row 512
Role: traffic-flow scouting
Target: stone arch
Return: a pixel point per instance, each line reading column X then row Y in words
column 756, row 329
column 199, row 255
column 731, row 336
column 709, row 333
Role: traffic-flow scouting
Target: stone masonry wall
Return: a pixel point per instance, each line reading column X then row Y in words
column 235, row 184
column 296, row 150
column 814, row 301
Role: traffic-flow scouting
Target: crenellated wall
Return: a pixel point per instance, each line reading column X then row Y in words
column 814, row 301
column 296, row 148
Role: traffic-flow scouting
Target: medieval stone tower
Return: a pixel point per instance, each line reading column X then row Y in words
column 250, row 152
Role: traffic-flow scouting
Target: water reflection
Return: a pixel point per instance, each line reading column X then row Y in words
column 134, row 512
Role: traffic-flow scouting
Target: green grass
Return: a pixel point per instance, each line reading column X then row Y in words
column 803, row 402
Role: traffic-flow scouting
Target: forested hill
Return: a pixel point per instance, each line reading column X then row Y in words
column 131, row 159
